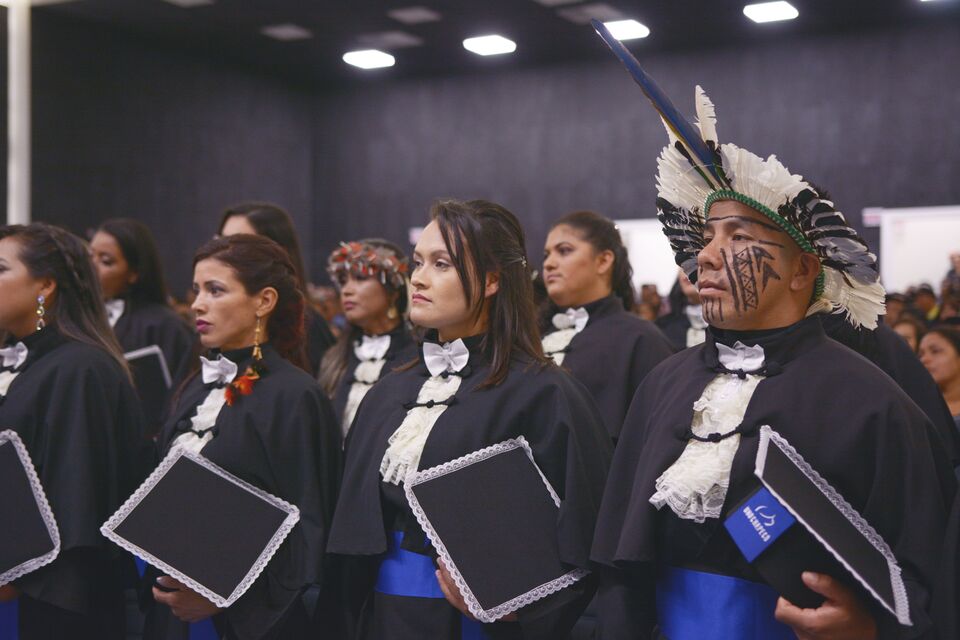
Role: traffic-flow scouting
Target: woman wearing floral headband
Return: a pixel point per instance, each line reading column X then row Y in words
column 255, row 412
column 371, row 276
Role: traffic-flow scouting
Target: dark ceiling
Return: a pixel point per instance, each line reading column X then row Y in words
column 230, row 29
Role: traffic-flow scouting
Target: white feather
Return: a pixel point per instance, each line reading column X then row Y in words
column 863, row 304
column 678, row 181
column 706, row 116
column 766, row 181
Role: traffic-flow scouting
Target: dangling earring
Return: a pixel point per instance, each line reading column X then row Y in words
column 257, row 354
column 392, row 313
column 41, row 312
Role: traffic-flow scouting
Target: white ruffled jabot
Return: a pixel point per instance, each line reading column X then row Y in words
column 406, row 444
column 568, row 324
column 202, row 423
column 371, row 351
column 695, row 485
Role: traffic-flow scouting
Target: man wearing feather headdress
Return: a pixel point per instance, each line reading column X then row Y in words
column 769, row 255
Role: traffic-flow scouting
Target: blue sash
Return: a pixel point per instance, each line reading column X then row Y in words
column 8, row 620
column 412, row 575
column 694, row 605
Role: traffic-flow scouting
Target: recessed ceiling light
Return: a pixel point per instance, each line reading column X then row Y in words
column 286, row 32
column 627, row 29
column 555, row 3
column 770, row 11
column 189, row 4
column 369, row 59
column 491, row 45
column 584, row 13
column 414, row 15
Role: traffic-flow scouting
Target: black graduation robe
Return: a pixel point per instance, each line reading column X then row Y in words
column 540, row 402
column 144, row 324
column 319, row 337
column 403, row 349
column 283, row 439
column 886, row 349
column 843, row 415
column 612, row 355
column 79, row 417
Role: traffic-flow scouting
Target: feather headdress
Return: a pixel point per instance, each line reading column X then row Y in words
column 694, row 171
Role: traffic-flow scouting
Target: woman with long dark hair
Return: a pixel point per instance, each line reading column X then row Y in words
column 481, row 379
column 264, row 219
column 65, row 390
column 371, row 277
column 254, row 411
column 594, row 334
column 137, row 302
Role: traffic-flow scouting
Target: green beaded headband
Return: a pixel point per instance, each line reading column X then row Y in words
column 792, row 231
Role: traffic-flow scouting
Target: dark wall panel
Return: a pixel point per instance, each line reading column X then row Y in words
column 127, row 129
column 870, row 116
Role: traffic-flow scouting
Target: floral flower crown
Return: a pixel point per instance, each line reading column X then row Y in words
column 366, row 260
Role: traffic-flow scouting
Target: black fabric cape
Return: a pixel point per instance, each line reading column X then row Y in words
column 79, row 417
column 675, row 324
column 319, row 337
column 844, row 416
column 540, row 402
column 144, row 324
column 402, row 350
column 890, row 352
column 283, row 439
column 612, row 355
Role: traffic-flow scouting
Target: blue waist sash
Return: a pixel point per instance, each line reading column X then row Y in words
column 412, row 575
column 695, row 605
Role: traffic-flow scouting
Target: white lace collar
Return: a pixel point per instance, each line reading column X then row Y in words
column 695, row 485
column 115, row 309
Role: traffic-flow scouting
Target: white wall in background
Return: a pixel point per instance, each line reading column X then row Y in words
column 915, row 244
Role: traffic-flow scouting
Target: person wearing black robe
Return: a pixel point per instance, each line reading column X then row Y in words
column 884, row 348
column 769, row 254
column 371, row 279
column 65, row 391
column 594, row 335
column 136, row 297
column 270, row 220
column 483, row 391
column 262, row 418
column 684, row 325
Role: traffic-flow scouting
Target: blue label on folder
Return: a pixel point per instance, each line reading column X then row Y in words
column 758, row 522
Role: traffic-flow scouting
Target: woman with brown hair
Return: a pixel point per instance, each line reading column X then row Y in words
column 371, row 278
column 269, row 220
column 65, row 390
column 254, row 411
column 594, row 333
column 481, row 379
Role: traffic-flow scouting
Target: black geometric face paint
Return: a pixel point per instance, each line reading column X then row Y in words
column 744, row 266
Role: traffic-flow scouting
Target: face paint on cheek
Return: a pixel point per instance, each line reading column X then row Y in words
column 713, row 310
column 764, row 269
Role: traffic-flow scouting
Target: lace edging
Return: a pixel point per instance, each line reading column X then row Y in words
column 293, row 516
column 42, row 504
column 506, row 608
column 901, row 605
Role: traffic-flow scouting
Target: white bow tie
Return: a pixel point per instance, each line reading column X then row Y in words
column 572, row 319
column 115, row 309
column 219, row 371
column 12, row 358
column 740, row 357
column 371, row 347
column 452, row 356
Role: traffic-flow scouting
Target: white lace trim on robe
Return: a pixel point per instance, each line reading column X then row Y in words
column 406, row 444
column 372, row 355
column 695, row 485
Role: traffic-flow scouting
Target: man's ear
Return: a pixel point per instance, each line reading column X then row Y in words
column 808, row 268
column 492, row 285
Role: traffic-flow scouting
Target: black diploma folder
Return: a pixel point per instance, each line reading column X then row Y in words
column 491, row 516
column 203, row 526
column 29, row 538
column 151, row 377
column 795, row 522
